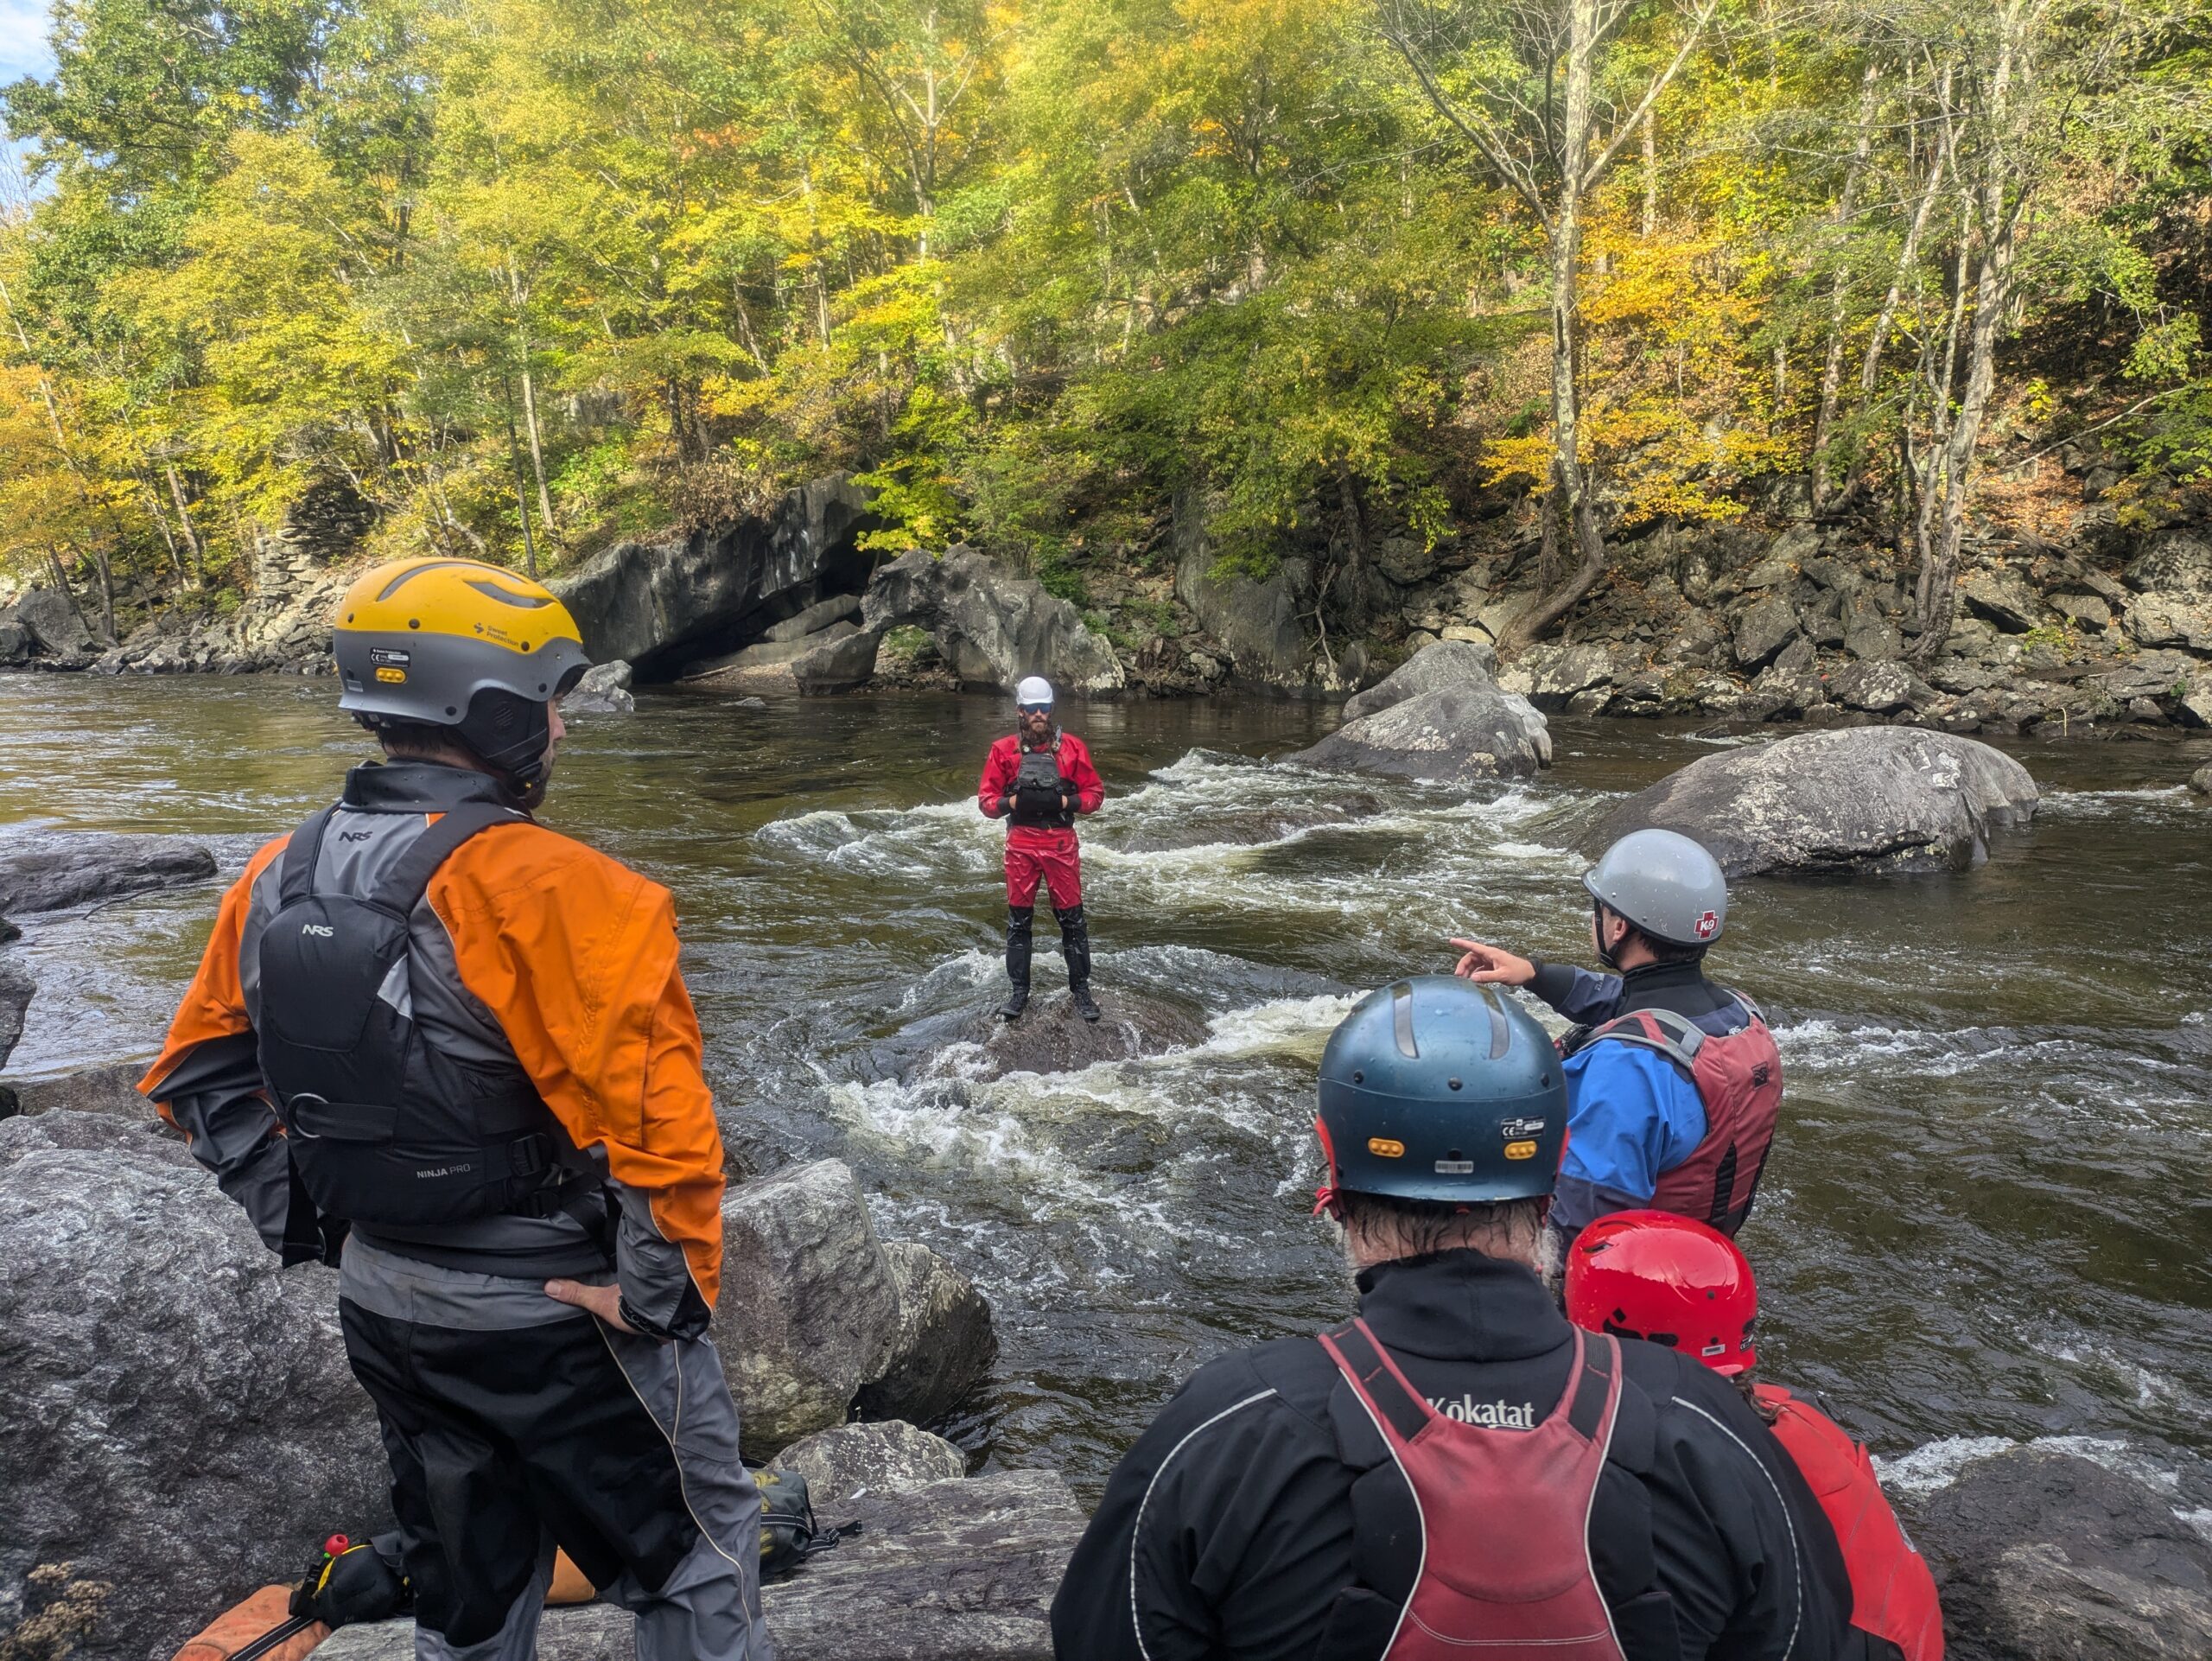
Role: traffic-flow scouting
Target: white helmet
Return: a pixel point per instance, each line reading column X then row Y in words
column 1034, row 690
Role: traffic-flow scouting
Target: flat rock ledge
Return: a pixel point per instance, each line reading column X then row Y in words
column 53, row 871
column 957, row 1570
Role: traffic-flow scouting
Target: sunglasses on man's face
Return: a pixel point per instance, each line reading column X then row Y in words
column 1036, row 708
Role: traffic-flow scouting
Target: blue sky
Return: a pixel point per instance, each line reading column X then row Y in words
column 22, row 40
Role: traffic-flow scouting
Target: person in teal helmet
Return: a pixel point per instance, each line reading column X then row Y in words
column 1456, row 1471
column 1675, row 1082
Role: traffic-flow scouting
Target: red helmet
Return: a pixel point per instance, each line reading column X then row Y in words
column 1667, row 1280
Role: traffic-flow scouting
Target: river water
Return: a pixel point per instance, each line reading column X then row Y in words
column 1987, row 1215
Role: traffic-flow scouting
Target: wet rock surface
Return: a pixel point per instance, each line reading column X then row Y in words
column 179, row 1419
column 2043, row 1555
column 959, row 1571
column 942, row 1344
column 52, row 870
column 991, row 625
column 849, row 1461
column 1050, row 1037
column 1863, row 800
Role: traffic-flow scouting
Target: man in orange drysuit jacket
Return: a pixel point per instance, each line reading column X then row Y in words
column 450, row 1051
column 1039, row 779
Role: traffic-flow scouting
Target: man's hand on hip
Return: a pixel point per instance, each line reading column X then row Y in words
column 605, row 1302
column 1484, row 964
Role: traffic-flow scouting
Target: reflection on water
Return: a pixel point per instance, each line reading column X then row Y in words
column 1988, row 1215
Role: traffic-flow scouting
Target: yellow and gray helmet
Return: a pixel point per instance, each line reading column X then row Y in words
column 457, row 644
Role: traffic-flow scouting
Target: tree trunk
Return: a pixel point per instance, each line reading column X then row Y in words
column 1838, row 290
column 1577, row 513
column 1650, row 174
column 1999, row 210
column 184, row 523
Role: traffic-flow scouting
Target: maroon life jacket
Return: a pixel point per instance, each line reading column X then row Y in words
column 1505, row 1567
column 1738, row 1078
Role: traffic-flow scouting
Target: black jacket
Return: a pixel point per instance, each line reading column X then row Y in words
column 1235, row 1510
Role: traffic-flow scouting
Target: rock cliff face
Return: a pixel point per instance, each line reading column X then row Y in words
column 664, row 605
column 992, row 626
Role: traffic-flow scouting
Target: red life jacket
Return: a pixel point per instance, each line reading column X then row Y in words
column 1892, row 1593
column 1738, row 1078
column 1504, row 1514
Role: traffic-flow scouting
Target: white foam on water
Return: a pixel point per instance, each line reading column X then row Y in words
column 1298, row 1026
column 1937, row 1465
column 1934, row 1466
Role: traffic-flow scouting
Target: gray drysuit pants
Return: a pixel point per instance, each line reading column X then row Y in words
column 515, row 1424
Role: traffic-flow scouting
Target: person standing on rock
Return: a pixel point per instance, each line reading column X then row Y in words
column 1457, row 1471
column 1667, row 1280
column 1039, row 779
column 451, row 1051
column 1673, row 1082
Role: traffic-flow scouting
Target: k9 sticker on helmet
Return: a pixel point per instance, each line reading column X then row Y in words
column 398, row 656
column 1708, row 925
column 1455, row 1167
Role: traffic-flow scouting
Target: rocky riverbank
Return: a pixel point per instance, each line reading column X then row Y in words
column 2099, row 624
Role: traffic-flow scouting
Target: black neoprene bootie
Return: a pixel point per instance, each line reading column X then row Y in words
column 1018, row 922
column 1079, row 994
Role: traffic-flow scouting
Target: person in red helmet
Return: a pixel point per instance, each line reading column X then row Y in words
column 1039, row 779
column 1672, row 1280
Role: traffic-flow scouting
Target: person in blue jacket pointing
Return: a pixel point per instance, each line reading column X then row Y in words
column 1673, row 1082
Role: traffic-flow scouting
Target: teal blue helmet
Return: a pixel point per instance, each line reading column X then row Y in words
column 1434, row 1089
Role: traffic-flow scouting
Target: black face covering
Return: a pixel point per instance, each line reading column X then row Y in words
column 1607, row 955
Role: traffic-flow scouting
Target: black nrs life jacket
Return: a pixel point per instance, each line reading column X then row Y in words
column 381, row 1127
column 1039, row 787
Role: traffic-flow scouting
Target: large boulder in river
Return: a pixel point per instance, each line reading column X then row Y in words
column 178, row 1419
column 951, row 1571
column 604, row 690
column 1445, row 663
column 852, row 1459
column 660, row 605
column 52, row 870
column 2041, row 1555
column 53, row 625
column 991, row 625
column 1461, row 733
column 1854, row 801
column 1864, row 800
column 813, row 1307
column 835, row 659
